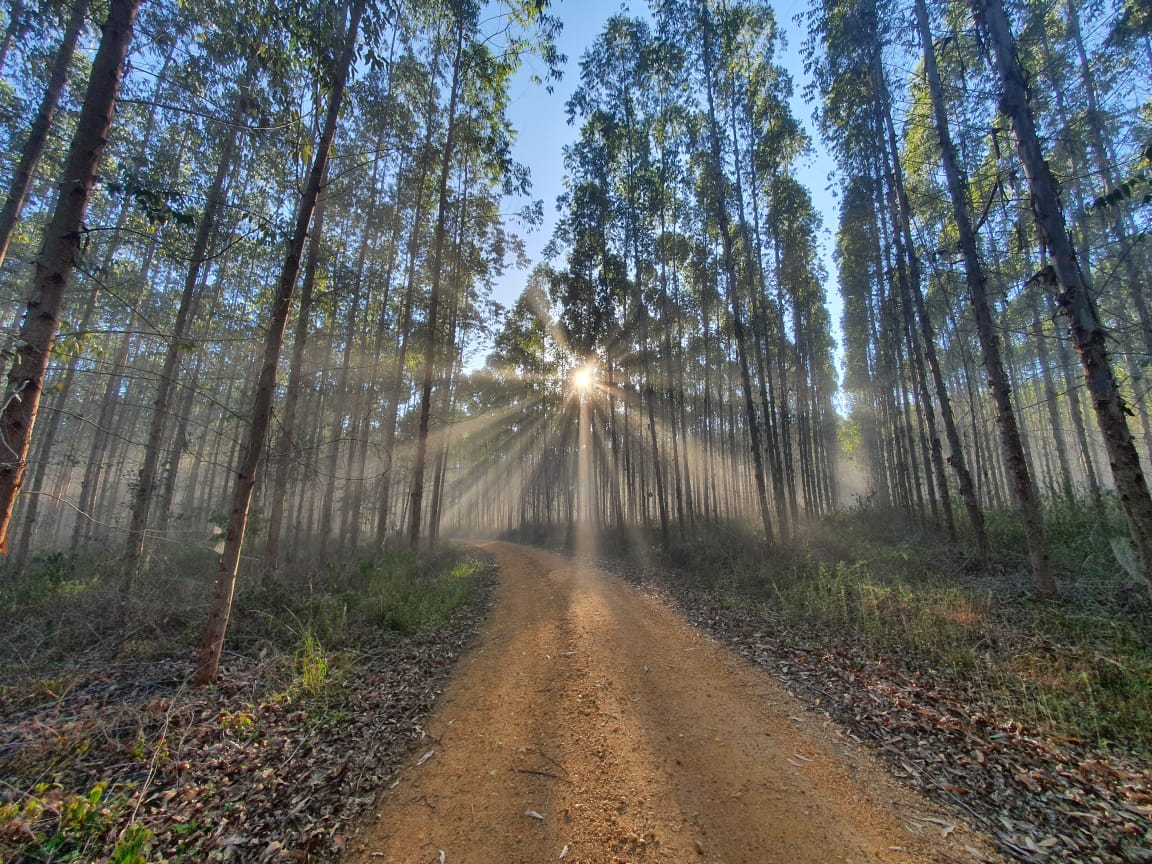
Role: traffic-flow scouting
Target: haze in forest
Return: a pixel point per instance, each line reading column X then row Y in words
column 843, row 347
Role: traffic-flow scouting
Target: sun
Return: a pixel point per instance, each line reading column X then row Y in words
column 582, row 379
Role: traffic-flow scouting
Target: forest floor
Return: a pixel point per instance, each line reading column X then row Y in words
column 961, row 729
column 592, row 723
column 577, row 709
column 108, row 754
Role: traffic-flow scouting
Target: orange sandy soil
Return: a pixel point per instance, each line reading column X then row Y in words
column 592, row 724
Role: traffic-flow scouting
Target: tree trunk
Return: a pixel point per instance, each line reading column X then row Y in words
column 721, row 213
column 38, row 134
column 213, row 643
column 15, row 24
column 430, row 336
column 146, row 480
column 956, row 458
column 286, row 443
column 1064, row 277
column 1026, row 497
column 1051, row 401
column 57, row 258
column 393, row 410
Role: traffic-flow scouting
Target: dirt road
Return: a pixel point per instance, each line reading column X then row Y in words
column 593, row 724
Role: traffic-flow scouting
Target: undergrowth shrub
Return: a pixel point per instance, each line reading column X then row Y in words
column 1079, row 664
column 63, row 623
column 50, row 824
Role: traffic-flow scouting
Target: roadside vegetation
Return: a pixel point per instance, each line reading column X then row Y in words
column 1031, row 717
column 107, row 754
column 1077, row 665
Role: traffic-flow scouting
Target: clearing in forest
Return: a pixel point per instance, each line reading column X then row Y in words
column 593, row 724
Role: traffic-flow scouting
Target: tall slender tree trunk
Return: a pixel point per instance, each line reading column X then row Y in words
column 1026, row 497
column 1105, row 162
column 721, row 208
column 287, row 441
column 57, row 259
column 213, row 642
column 1087, row 457
column 41, row 124
column 1051, row 400
column 430, row 336
column 339, row 415
column 153, row 447
column 384, row 507
column 15, row 23
column 1064, row 277
column 956, row 458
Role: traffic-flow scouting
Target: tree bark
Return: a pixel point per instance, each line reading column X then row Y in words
column 15, row 24
column 146, row 479
column 956, row 458
column 1026, row 497
column 38, row 134
column 430, row 336
column 287, row 442
column 1064, row 277
column 213, row 643
column 57, row 259
column 721, row 208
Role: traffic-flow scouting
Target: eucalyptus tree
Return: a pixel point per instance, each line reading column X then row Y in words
column 56, row 262
column 846, row 55
column 253, row 446
column 1065, row 278
column 1026, row 494
column 715, row 197
column 619, row 74
column 33, row 147
column 214, row 200
column 679, row 207
column 594, row 281
column 418, row 198
column 478, row 80
column 466, row 20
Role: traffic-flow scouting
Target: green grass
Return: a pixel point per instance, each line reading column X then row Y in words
column 357, row 600
column 51, row 824
column 1079, row 665
column 297, row 636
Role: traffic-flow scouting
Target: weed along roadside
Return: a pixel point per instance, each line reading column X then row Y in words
column 1031, row 719
column 107, row 754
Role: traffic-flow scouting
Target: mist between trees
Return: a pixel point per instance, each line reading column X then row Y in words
column 250, row 254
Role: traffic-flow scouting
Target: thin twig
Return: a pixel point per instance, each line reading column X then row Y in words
column 542, row 774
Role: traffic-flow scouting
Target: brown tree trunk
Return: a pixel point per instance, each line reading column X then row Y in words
column 431, row 324
column 721, row 213
column 384, row 507
column 1051, row 401
column 38, row 134
column 189, row 297
column 1026, row 497
column 15, row 23
column 213, row 643
column 956, row 458
column 1065, row 279
column 57, row 258
column 286, row 444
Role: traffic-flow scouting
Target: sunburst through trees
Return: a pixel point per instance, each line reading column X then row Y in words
column 266, row 337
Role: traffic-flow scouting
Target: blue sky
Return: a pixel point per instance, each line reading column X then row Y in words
column 543, row 130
